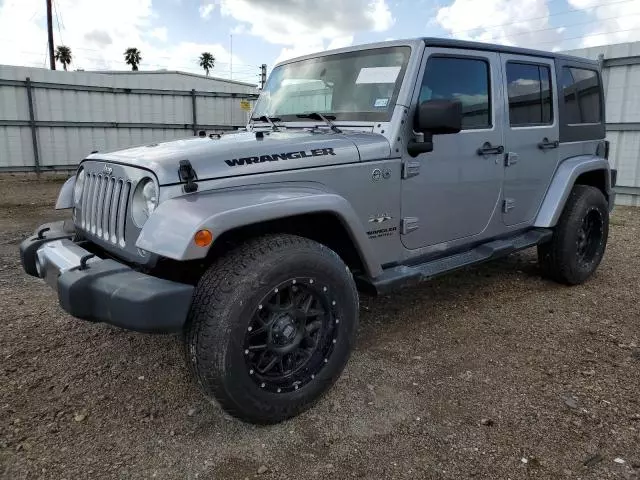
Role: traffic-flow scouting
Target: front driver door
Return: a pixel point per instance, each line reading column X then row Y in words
column 451, row 193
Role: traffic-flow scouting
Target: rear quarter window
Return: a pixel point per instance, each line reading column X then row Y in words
column 581, row 101
column 581, row 90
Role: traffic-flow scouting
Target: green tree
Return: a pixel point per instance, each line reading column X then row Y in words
column 133, row 57
column 207, row 61
column 63, row 55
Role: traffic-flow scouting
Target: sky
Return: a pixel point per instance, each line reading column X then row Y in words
column 243, row 34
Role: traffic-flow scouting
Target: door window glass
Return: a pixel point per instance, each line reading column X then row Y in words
column 462, row 79
column 529, row 91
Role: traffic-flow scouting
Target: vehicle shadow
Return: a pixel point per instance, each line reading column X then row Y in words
column 449, row 292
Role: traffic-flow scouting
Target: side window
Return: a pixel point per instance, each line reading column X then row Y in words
column 529, row 91
column 462, row 79
column 571, row 110
column 581, row 89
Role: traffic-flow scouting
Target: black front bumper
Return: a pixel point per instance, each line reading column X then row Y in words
column 104, row 290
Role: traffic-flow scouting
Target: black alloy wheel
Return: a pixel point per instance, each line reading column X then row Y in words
column 291, row 335
column 579, row 238
column 271, row 327
column 589, row 236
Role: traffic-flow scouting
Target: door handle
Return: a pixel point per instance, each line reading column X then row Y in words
column 545, row 144
column 488, row 149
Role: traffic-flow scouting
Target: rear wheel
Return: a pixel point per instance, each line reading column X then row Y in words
column 579, row 239
column 271, row 327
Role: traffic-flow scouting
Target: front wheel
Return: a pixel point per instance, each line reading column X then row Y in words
column 271, row 327
column 579, row 239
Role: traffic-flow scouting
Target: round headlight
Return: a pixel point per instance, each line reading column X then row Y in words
column 78, row 187
column 145, row 201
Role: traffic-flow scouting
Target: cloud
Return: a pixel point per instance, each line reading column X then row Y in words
column 98, row 34
column 291, row 21
column 614, row 22
column 340, row 42
column 99, row 38
column 306, row 26
column 205, row 11
column 509, row 22
column 160, row 33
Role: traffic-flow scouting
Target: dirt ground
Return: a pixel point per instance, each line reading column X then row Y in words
column 488, row 373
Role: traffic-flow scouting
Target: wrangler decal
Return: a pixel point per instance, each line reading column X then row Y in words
column 274, row 157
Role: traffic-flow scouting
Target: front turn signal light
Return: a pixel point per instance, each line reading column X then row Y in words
column 203, row 238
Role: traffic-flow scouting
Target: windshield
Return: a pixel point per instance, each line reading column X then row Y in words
column 361, row 85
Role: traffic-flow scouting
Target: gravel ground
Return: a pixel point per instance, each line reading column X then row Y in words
column 488, row 373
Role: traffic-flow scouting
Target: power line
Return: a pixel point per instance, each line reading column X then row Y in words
column 591, row 35
column 55, row 10
column 46, row 54
column 493, row 37
column 540, row 18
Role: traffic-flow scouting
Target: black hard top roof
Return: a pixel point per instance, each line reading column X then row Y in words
column 492, row 47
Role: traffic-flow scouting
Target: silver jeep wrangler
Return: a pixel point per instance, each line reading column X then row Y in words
column 367, row 168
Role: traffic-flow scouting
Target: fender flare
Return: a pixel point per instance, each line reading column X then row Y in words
column 170, row 229
column 562, row 183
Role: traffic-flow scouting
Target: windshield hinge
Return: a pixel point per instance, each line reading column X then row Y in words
column 187, row 174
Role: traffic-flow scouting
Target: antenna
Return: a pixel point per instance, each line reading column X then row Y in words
column 231, row 57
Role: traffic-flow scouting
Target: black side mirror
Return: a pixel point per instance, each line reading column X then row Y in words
column 439, row 117
column 435, row 117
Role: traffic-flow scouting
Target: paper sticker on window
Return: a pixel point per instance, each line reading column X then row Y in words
column 381, row 102
column 378, row 75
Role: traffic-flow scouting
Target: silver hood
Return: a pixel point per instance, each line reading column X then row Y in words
column 247, row 153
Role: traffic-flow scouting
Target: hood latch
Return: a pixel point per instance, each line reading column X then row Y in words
column 188, row 174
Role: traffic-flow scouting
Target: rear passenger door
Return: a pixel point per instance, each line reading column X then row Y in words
column 531, row 135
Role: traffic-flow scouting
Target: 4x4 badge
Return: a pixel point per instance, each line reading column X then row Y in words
column 379, row 218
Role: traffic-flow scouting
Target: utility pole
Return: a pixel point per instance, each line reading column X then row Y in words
column 52, row 60
column 263, row 75
column 231, row 57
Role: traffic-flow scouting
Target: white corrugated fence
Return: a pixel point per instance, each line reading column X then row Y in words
column 621, row 77
column 74, row 113
column 52, row 119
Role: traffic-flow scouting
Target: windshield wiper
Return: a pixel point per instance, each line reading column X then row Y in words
column 325, row 118
column 267, row 119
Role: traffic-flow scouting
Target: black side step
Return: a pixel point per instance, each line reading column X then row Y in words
column 404, row 275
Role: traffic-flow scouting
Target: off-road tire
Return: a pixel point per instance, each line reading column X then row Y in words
column 559, row 258
column 225, row 300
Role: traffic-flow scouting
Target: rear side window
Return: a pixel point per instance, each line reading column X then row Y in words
column 462, row 79
column 581, row 91
column 529, row 91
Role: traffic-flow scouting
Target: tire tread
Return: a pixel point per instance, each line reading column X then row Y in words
column 209, row 322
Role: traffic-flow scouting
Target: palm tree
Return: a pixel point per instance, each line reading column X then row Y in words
column 133, row 57
column 63, row 55
column 207, row 62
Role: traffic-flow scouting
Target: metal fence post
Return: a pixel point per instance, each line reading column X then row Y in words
column 194, row 111
column 32, row 124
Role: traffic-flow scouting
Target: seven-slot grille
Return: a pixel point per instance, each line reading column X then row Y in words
column 104, row 207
